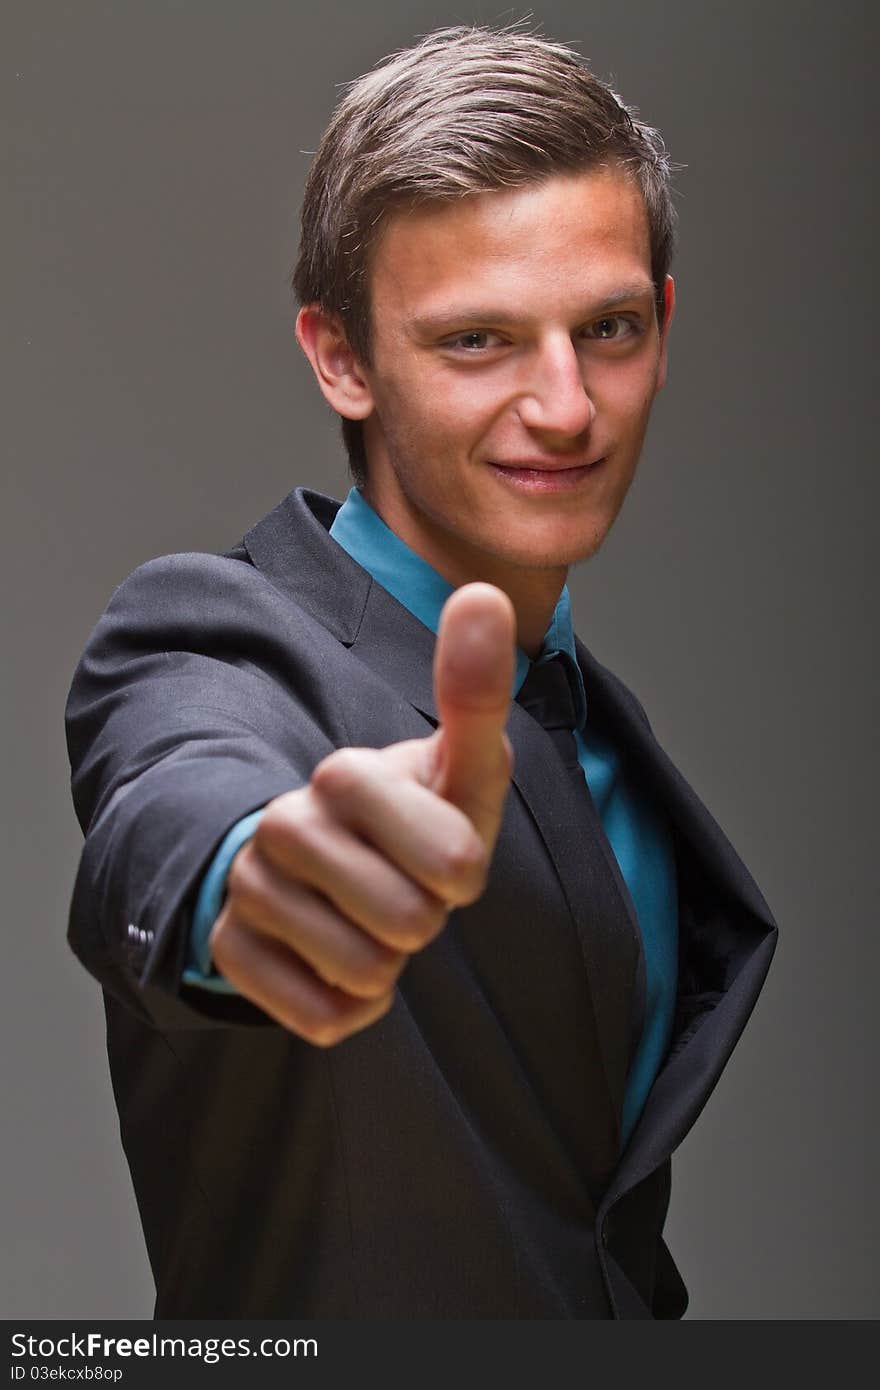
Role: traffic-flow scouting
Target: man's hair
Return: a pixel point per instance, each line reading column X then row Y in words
column 466, row 110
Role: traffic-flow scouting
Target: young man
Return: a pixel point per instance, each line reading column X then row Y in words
column 411, row 991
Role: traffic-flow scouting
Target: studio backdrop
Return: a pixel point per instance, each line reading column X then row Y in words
column 155, row 401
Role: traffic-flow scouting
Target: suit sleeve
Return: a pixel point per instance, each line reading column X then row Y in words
column 198, row 699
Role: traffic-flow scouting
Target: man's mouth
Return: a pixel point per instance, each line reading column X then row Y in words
column 546, row 476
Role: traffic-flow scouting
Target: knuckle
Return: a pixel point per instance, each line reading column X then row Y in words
column 323, row 1032
column 277, row 814
column 465, row 866
column 418, row 920
column 293, row 832
column 332, row 1021
column 373, row 978
column 326, row 1026
column 340, row 772
column 242, row 874
column 384, row 1007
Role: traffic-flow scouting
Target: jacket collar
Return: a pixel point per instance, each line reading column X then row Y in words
column 421, row 589
column 291, row 547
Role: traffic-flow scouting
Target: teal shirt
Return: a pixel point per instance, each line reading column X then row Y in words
column 636, row 828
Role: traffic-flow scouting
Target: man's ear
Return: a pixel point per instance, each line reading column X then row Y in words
column 324, row 342
column 668, row 311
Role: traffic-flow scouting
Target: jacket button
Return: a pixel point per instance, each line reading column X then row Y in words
column 604, row 1237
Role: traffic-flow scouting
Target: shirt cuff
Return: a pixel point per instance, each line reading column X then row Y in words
column 200, row 969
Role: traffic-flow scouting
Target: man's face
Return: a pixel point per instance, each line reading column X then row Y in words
column 516, row 356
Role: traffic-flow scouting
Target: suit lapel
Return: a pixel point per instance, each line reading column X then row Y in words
column 630, row 726
column 292, row 548
column 740, row 936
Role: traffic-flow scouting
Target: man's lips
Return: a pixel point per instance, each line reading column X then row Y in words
column 533, row 477
column 560, row 475
column 556, row 466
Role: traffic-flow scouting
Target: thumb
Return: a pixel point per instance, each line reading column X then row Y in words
column 473, row 675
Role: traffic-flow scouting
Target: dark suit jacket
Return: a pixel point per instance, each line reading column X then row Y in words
column 458, row 1159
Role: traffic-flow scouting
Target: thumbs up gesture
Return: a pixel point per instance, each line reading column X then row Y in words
column 348, row 876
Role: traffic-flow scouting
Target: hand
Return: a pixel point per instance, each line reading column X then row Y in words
column 345, row 878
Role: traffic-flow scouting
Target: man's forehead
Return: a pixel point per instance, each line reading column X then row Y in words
column 590, row 230
column 600, row 202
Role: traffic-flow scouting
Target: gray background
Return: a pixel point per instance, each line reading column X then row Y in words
column 155, row 401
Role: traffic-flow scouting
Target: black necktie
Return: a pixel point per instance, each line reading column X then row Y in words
column 547, row 695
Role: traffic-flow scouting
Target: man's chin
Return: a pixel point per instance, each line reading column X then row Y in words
column 556, row 554
column 542, row 562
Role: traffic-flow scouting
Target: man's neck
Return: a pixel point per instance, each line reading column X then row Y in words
column 533, row 592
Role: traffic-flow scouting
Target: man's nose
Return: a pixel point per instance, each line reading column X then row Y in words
column 555, row 399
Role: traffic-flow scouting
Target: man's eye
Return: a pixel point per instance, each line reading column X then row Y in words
column 474, row 340
column 612, row 326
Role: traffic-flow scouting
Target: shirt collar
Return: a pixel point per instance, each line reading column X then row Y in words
column 417, row 585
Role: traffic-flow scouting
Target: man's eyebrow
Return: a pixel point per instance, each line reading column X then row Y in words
column 456, row 316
